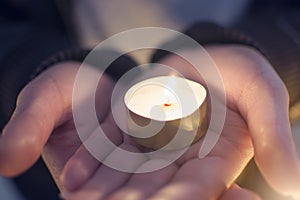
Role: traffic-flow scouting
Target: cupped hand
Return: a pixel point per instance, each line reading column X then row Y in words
column 256, row 124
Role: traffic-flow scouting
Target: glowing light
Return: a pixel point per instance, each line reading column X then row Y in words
column 168, row 97
column 167, row 103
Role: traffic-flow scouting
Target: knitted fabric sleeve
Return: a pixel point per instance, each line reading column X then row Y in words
column 30, row 45
column 20, row 61
column 278, row 39
column 30, row 32
column 115, row 70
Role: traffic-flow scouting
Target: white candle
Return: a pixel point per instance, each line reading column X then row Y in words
column 173, row 105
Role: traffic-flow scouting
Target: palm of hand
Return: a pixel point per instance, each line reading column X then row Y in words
column 187, row 178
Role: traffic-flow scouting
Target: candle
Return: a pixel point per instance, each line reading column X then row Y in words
column 167, row 112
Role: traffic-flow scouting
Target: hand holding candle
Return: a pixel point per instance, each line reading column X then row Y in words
column 166, row 112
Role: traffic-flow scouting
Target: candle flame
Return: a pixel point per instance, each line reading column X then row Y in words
column 168, row 97
column 167, row 103
column 172, row 74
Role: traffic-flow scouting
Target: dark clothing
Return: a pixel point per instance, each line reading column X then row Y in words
column 32, row 30
column 29, row 33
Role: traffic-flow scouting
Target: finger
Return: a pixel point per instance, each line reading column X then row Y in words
column 106, row 180
column 68, row 137
column 262, row 99
column 29, row 128
column 209, row 177
column 235, row 192
column 78, row 169
column 81, row 166
column 195, row 180
column 44, row 104
column 142, row 185
column 274, row 148
column 263, row 102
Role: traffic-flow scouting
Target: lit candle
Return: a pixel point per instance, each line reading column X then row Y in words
column 163, row 107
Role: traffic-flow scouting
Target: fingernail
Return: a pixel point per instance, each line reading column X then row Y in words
column 67, row 181
column 64, row 195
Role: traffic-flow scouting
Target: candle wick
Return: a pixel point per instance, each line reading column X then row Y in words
column 167, row 104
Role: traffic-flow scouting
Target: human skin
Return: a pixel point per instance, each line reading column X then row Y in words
column 256, row 125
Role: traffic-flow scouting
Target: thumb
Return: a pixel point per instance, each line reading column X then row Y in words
column 40, row 108
column 265, row 107
column 262, row 99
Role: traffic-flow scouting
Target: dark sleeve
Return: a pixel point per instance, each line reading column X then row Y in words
column 277, row 32
column 33, row 38
column 272, row 30
column 30, row 31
